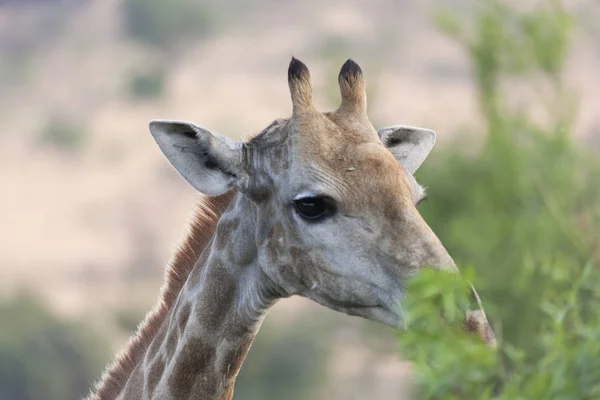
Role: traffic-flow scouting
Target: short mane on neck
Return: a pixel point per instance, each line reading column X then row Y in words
column 200, row 231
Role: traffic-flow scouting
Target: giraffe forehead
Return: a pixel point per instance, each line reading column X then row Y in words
column 326, row 137
column 330, row 130
column 325, row 151
column 364, row 173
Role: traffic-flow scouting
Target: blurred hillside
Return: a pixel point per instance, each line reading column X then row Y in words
column 91, row 210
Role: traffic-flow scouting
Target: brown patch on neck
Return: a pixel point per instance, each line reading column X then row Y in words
column 156, row 371
column 200, row 231
column 197, row 358
column 183, row 316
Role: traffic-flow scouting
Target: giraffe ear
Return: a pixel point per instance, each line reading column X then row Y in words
column 410, row 145
column 209, row 162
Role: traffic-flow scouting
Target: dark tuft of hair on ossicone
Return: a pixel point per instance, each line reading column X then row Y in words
column 353, row 89
column 300, row 86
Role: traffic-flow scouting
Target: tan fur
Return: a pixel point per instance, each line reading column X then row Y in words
column 200, row 231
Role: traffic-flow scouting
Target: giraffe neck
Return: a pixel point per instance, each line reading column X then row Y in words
column 200, row 348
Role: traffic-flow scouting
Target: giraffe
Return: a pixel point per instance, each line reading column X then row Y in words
column 319, row 205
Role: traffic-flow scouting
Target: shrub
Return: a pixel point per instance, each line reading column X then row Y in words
column 524, row 211
column 529, row 198
column 451, row 364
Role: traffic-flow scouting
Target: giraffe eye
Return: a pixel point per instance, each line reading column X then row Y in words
column 314, row 208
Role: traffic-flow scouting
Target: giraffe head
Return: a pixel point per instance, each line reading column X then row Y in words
column 334, row 199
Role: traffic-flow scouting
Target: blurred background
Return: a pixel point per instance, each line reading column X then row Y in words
column 91, row 209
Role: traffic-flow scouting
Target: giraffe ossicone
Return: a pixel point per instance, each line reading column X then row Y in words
column 320, row 205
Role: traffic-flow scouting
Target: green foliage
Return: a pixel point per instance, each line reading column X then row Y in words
column 528, row 201
column 166, row 24
column 452, row 364
column 62, row 134
column 446, row 356
column 525, row 211
column 42, row 357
